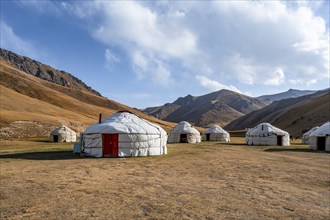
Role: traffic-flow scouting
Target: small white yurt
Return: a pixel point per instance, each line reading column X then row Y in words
column 320, row 138
column 184, row 133
column 124, row 134
column 305, row 137
column 63, row 134
column 215, row 133
column 267, row 134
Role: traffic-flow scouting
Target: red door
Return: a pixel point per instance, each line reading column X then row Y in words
column 110, row 145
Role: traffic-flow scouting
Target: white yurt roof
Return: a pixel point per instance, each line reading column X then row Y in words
column 61, row 129
column 184, row 128
column 324, row 130
column 310, row 131
column 265, row 128
column 215, row 129
column 124, row 123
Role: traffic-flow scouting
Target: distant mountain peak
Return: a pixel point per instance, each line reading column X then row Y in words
column 292, row 114
column 291, row 93
column 219, row 107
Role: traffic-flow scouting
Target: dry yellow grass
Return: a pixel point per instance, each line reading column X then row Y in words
column 41, row 180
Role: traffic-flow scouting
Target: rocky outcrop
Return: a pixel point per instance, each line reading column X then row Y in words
column 44, row 72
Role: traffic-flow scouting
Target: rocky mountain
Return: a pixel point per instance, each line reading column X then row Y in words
column 31, row 106
column 295, row 115
column 291, row 93
column 44, row 71
column 219, row 107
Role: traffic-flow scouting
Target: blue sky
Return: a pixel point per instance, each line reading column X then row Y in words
column 147, row 53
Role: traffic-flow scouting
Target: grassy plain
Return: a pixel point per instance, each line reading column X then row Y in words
column 41, row 180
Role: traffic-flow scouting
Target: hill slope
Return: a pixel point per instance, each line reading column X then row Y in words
column 31, row 106
column 294, row 115
column 44, row 72
column 291, row 93
column 219, row 107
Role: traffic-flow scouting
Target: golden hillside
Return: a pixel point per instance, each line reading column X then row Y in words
column 31, row 106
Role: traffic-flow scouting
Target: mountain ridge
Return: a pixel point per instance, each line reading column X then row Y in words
column 218, row 107
column 292, row 114
column 44, row 71
column 291, row 93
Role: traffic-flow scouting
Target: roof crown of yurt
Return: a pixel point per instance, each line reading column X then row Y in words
column 184, row 132
column 320, row 138
column 267, row 134
column 215, row 133
column 306, row 136
column 63, row 134
column 124, row 134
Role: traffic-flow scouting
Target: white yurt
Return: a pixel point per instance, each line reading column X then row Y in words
column 215, row 133
column 124, row 134
column 320, row 138
column 184, row 133
column 267, row 134
column 63, row 134
column 305, row 137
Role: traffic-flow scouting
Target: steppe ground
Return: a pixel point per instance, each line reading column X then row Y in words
column 41, row 180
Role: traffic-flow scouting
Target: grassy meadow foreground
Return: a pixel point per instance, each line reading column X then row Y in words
column 41, row 180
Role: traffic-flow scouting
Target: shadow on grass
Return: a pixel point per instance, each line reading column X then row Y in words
column 240, row 144
column 43, row 141
column 295, row 150
column 55, row 155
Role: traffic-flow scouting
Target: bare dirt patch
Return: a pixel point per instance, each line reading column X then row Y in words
column 203, row 181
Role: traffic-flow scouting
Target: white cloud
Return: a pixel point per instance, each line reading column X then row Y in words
column 44, row 6
column 264, row 35
column 110, row 57
column 11, row 41
column 306, row 3
column 240, row 41
column 131, row 24
column 81, row 12
column 296, row 81
column 151, row 68
column 213, row 85
column 277, row 78
column 138, row 30
column 310, row 82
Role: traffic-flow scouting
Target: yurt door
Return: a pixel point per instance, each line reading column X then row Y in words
column 321, row 143
column 55, row 138
column 183, row 138
column 279, row 140
column 208, row 137
column 110, row 145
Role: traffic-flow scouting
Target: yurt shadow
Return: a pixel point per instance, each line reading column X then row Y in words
column 235, row 144
column 42, row 141
column 293, row 150
column 55, row 155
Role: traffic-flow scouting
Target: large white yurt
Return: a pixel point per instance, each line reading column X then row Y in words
column 63, row 134
column 305, row 137
column 184, row 133
column 215, row 133
column 124, row 134
column 267, row 134
column 320, row 138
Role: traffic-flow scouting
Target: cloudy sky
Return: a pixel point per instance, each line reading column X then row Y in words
column 147, row 53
